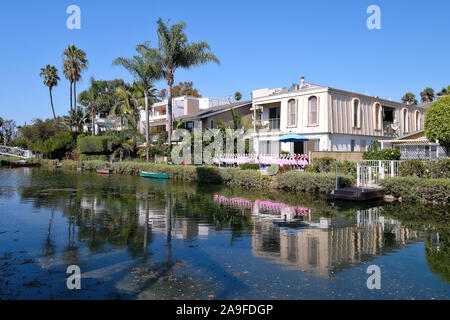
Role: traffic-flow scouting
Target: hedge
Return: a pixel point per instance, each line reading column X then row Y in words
column 97, row 145
column 311, row 182
column 417, row 189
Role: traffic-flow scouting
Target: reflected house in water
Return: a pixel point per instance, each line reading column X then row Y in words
column 181, row 228
column 332, row 245
column 265, row 208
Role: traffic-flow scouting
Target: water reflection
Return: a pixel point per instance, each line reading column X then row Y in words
column 159, row 223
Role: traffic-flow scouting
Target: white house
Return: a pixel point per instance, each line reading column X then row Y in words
column 332, row 119
column 181, row 106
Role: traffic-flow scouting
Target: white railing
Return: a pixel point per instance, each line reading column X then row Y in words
column 295, row 160
column 15, row 152
column 370, row 172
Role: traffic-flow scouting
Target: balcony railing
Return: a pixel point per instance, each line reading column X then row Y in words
column 274, row 124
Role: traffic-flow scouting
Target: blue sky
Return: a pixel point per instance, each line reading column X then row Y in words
column 259, row 43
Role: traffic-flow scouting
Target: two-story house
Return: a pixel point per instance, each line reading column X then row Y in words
column 331, row 119
column 181, row 106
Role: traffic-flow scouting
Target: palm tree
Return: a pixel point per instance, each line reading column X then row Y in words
column 51, row 78
column 129, row 99
column 74, row 62
column 145, row 71
column 409, row 98
column 444, row 92
column 427, row 95
column 237, row 96
column 94, row 98
column 175, row 52
column 77, row 117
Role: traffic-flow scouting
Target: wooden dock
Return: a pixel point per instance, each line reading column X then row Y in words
column 356, row 194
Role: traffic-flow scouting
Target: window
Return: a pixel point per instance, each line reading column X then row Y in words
column 211, row 124
column 312, row 111
column 356, row 113
column 378, row 116
column 363, row 145
column 405, row 120
column 352, row 145
column 417, row 120
column 292, row 113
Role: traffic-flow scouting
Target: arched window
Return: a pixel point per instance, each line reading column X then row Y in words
column 417, row 120
column 378, row 116
column 292, row 113
column 313, row 111
column 356, row 110
column 405, row 120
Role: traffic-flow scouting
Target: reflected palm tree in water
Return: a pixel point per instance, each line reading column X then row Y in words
column 48, row 248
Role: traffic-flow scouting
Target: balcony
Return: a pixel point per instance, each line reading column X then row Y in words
column 274, row 124
column 269, row 125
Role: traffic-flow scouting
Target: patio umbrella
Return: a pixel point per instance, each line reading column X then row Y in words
column 291, row 137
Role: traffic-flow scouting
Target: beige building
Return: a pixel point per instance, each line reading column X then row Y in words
column 332, row 119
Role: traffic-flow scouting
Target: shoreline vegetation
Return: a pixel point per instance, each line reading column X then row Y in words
column 410, row 189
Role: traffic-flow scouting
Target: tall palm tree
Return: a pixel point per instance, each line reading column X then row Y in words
column 427, row 95
column 51, row 78
column 94, row 98
column 74, row 62
column 145, row 71
column 175, row 52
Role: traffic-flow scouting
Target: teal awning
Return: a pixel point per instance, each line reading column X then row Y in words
column 291, row 137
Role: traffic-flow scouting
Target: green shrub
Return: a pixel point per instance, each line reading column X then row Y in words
column 86, row 157
column 97, row 145
column 417, row 189
column 413, row 167
column 311, row 182
column 248, row 179
column 20, row 142
column 250, row 166
column 440, row 169
column 387, row 154
column 324, row 164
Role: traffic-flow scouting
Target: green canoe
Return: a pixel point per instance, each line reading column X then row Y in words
column 154, row 175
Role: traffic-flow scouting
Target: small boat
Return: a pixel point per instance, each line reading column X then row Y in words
column 23, row 163
column 154, row 175
column 104, row 171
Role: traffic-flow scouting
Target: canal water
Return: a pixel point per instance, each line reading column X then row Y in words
column 135, row 238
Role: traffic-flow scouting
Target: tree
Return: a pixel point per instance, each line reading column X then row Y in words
column 237, row 96
column 145, row 71
column 175, row 52
column 444, row 92
column 437, row 122
column 427, row 95
column 129, row 100
column 74, row 62
column 51, row 78
column 409, row 98
column 7, row 129
column 77, row 117
column 182, row 89
column 94, row 98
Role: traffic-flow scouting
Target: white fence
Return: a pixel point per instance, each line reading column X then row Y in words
column 370, row 172
column 295, row 160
